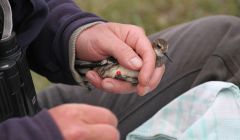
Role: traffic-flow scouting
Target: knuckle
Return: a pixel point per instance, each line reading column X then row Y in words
column 150, row 56
column 84, row 106
column 73, row 113
column 127, row 51
column 76, row 110
column 124, row 53
column 113, row 133
column 109, row 117
column 106, row 112
column 77, row 133
column 141, row 30
column 138, row 28
column 68, row 110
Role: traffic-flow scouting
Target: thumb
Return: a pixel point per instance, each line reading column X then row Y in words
column 125, row 55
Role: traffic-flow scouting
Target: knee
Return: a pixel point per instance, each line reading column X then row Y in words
column 224, row 22
column 227, row 20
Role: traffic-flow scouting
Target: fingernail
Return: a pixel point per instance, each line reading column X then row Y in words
column 136, row 62
column 108, row 85
column 146, row 91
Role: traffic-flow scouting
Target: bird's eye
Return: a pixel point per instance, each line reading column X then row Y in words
column 159, row 45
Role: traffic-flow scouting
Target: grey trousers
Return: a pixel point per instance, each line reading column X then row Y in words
column 204, row 50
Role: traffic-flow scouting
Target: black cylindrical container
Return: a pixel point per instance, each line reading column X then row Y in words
column 17, row 93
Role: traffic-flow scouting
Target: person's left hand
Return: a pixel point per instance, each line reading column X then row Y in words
column 130, row 46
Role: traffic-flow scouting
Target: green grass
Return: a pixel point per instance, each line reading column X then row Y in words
column 152, row 15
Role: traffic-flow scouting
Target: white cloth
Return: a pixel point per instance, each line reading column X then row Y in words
column 210, row 111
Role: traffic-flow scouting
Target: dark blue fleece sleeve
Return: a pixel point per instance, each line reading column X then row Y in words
column 49, row 52
column 39, row 127
column 43, row 29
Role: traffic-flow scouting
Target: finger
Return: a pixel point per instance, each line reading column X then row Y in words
column 138, row 41
column 94, row 79
column 125, row 55
column 153, row 83
column 117, row 86
column 109, row 84
column 102, row 132
column 149, row 60
column 156, row 77
column 96, row 115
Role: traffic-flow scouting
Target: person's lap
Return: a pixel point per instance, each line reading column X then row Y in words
column 193, row 47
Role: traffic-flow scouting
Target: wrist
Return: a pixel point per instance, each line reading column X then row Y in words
column 72, row 50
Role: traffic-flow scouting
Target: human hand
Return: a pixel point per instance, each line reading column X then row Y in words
column 85, row 122
column 130, row 46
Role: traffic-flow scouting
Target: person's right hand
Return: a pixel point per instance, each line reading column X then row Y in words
column 132, row 49
column 85, row 122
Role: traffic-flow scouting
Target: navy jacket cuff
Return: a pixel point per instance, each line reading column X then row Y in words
column 39, row 127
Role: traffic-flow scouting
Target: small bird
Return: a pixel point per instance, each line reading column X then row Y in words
column 110, row 68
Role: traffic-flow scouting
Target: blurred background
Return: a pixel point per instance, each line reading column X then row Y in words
column 152, row 15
